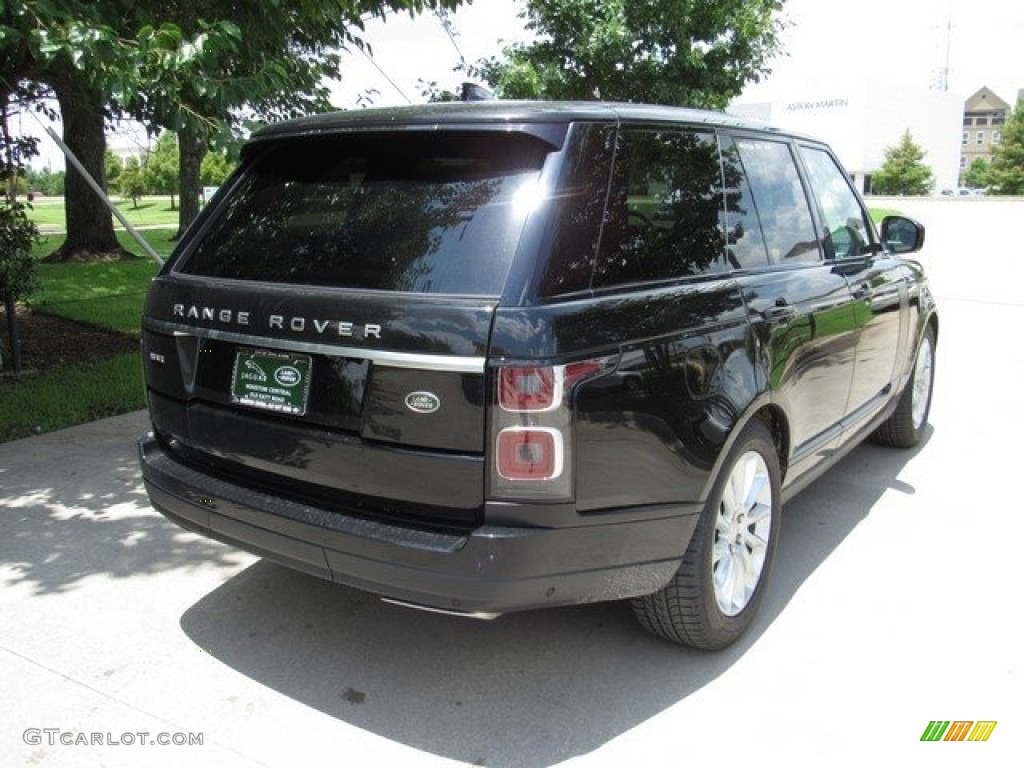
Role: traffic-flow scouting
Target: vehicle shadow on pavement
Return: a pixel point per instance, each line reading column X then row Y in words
column 74, row 507
column 528, row 689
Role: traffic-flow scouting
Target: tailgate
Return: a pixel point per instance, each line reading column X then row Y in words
column 326, row 394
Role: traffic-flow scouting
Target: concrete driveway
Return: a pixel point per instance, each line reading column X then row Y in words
column 894, row 602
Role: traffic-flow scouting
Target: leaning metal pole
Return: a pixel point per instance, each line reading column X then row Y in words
column 96, row 188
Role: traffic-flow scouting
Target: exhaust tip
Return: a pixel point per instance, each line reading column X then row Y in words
column 462, row 614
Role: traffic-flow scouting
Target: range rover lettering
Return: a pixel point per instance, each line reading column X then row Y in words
column 487, row 357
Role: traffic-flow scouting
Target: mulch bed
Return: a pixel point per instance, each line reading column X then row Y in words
column 49, row 342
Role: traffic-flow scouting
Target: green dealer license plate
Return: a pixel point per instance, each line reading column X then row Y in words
column 273, row 381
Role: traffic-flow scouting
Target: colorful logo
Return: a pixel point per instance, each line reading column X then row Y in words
column 287, row 376
column 958, row 730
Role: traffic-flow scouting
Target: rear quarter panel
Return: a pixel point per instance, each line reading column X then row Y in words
column 649, row 431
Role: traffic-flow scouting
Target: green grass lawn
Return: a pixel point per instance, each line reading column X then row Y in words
column 151, row 211
column 105, row 294
column 48, row 212
column 877, row 214
column 159, row 239
column 75, row 395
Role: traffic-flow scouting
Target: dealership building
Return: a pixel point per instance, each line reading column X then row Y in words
column 861, row 120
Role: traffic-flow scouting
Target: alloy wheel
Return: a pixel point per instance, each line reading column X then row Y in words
column 742, row 529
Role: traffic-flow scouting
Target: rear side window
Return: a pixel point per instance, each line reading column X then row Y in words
column 577, row 211
column 664, row 206
column 779, row 198
column 848, row 232
column 417, row 212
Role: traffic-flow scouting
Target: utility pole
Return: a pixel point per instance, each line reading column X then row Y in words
column 941, row 80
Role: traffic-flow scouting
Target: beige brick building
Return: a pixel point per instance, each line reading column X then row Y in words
column 984, row 115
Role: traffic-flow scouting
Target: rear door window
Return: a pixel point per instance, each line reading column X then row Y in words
column 418, row 212
column 779, row 198
column 745, row 244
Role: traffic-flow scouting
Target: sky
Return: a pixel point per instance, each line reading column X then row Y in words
column 825, row 41
column 900, row 41
column 407, row 49
column 906, row 42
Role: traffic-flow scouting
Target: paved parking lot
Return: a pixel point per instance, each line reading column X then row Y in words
column 894, row 602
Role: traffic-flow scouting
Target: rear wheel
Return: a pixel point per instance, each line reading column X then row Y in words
column 715, row 593
column 905, row 427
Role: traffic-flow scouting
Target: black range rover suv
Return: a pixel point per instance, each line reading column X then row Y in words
column 486, row 357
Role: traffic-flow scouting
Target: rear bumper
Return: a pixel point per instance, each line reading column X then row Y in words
column 493, row 569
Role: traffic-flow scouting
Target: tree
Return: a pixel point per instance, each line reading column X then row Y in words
column 976, row 177
column 178, row 64
column 904, row 171
column 50, row 183
column 215, row 169
column 133, row 182
column 161, row 168
column 429, row 90
column 80, row 50
column 90, row 228
column 17, row 232
column 1006, row 174
column 681, row 52
column 74, row 48
column 284, row 52
column 112, row 166
column 17, row 184
column 17, row 267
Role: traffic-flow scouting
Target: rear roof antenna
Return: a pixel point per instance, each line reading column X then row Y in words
column 475, row 92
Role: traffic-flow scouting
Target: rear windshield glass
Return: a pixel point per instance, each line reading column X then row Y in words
column 425, row 213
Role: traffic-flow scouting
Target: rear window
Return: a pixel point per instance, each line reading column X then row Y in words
column 424, row 213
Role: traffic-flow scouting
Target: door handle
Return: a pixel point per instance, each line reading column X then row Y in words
column 782, row 312
column 863, row 292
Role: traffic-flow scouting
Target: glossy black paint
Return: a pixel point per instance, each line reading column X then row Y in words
column 331, row 317
column 820, row 348
column 684, row 373
column 482, row 569
column 356, row 404
column 805, row 326
column 882, row 318
column 325, row 468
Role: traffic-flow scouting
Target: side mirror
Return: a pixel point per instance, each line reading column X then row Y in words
column 902, row 235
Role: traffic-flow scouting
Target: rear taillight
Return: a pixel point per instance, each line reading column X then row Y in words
column 532, row 428
column 529, row 388
column 530, row 453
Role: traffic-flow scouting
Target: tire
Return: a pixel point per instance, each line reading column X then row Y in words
column 906, row 426
column 714, row 595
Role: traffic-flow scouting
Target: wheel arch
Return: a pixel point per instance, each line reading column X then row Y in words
column 774, row 418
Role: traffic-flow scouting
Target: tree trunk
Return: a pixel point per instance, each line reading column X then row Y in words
column 191, row 150
column 12, row 331
column 89, row 223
